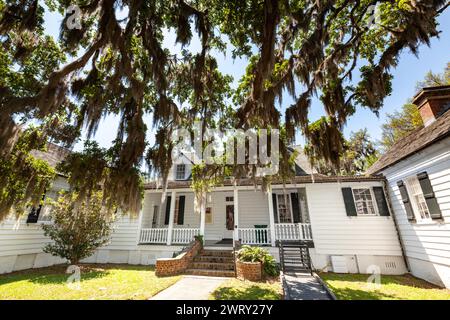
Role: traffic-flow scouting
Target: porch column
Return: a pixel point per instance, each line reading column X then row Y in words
column 271, row 217
column 171, row 216
column 203, row 215
column 236, row 213
column 141, row 218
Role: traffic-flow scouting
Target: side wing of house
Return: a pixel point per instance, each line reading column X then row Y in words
column 424, row 216
column 22, row 240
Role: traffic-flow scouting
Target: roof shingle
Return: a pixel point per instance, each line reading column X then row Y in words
column 416, row 141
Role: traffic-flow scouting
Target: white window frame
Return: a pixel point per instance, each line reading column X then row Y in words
column 45, row 215
column 374, row 203
column 178, row 172
column 414, row 190
column 287, row 197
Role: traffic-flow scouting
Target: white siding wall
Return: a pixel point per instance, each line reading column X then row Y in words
column 253, row 209
column 336, row 233
column 427, row 245
column 16, row 237
column 371, row 238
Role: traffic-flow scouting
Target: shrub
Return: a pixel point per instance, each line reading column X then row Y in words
column 257, row 254
column 199, row 238
column 78, row 229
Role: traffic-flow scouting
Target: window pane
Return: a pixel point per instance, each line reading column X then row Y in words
column 418, row 201
column 284, row 208
column 363, row 202
column 180, row 171
column 177, row 208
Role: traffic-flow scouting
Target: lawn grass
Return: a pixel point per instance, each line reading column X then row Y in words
column 98, row 282
column 235, row 289
column 406, row 287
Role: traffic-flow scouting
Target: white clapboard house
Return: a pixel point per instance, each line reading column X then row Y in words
column 345, row 221
column 417, row 170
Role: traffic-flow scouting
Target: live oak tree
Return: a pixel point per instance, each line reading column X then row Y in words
column 118, row 66
column 358, row 154
column 435, row 79
column 401, row 123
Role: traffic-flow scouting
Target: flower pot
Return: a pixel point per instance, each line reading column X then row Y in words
column 249, row 270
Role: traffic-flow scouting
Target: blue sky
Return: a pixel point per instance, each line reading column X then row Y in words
column 408, row 72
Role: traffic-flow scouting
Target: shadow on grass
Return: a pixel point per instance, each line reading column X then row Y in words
column 57, row 274
column 252, row 292
column 352, row 286
column 356, row 294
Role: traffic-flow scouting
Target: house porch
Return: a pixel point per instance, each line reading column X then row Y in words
column 247, row 215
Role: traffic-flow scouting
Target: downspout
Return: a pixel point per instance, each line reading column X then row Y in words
column 397, row 229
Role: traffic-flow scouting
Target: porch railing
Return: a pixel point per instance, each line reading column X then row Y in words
column 184, row 235
column 159, row 235
column 156, row 235
column 293, row 231
column 254, row 236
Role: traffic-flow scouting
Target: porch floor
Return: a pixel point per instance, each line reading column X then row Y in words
column 227, row 243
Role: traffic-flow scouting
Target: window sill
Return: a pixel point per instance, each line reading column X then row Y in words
column 428, row 223
column 44, row 222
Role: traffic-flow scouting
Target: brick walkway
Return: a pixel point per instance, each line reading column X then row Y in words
column 298, row 286
column 191, row 288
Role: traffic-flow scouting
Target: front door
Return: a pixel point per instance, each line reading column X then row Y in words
column 229, row 221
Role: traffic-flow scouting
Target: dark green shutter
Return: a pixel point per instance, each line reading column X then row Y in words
column 350, row 207
column 181, row 210
column 275, row 211
column 428, row 193
column 295, row 207
column 382, row 205
column 33, row 216
column 406, row 201
column 167, row 218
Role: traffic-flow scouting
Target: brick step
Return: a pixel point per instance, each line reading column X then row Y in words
column 217, row 253
column 208, row 272
column 212, row 265
column 213, row 259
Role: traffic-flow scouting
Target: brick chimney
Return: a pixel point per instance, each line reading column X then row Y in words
column 432, row 103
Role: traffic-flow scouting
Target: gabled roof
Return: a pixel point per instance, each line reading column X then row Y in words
column 416, row 141
column 302, row 164
column 54, row 154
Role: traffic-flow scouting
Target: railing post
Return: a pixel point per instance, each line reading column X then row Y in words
column 271, row 217
column 141, row 214
column 236, row 212
column 171, row 217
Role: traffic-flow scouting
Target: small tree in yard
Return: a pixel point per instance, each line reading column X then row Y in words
column 78, row 228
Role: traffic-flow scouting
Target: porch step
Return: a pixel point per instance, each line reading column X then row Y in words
column 209, row 272
column 217, row 253
column 212, row 265
column 294, row 257
column 217, row 263
column 213, row 259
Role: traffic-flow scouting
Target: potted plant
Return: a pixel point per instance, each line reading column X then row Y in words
column 254, row 262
